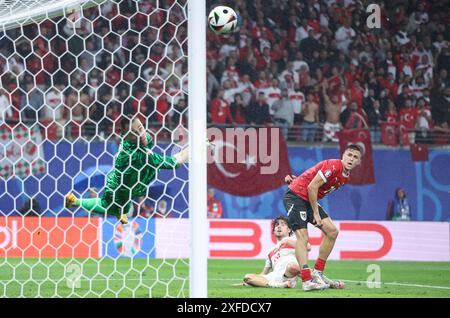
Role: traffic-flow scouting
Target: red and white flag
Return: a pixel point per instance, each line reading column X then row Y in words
column 389, row 134
column 364, row 173
column 21, row 151
column 419, row 152
column 254, row 162
column 404, row 135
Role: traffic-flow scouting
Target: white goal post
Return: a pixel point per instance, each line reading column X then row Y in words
column 197, row 110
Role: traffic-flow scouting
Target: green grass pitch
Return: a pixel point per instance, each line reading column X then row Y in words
column 169, row 278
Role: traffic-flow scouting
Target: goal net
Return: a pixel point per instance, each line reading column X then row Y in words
column 70, row 71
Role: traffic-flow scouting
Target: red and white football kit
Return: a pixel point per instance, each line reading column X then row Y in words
column 278, row 259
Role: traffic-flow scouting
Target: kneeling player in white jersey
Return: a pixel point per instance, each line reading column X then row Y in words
column 281, row 269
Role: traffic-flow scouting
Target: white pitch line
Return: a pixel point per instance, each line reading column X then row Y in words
column 398, row 284
column 230, row 279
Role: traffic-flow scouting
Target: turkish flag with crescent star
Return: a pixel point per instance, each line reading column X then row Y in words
column 247, row 162
column 364, row 173
column 419, row 152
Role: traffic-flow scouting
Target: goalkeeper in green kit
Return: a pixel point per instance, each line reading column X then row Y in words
column 135, row 167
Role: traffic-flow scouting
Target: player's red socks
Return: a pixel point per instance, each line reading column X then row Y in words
column 305, row 274
column 320, row 264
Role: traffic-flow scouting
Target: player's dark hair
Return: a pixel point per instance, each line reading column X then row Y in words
column 354, row 147
column 277, row 220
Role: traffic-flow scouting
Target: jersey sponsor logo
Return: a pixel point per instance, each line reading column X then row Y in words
column 303, row 215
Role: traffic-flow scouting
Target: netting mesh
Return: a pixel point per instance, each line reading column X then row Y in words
column 66, row 83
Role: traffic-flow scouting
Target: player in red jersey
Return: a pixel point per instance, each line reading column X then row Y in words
column 301, row 204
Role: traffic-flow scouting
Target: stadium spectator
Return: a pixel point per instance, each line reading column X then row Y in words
column 391, row 114
column 399, row 209
column 232, row 89
column 283, row 113
column 344, row 36
column 356, row 94
column 408, row 119
column 332, row 110
column 440, row 105
column 424, row 123
column 54, row 104
column 297, row 98
column 31, row 104
column 161, row 210
column 272, row 93
column 220, row 110
column 258, row 112
column 443, row 81
column 352, row 117
column 310, row 114
column 212, row 82
column 374, row 119
column 146, row 210
column 441, row 133
column 238, row 110
column 5, row 107
column 302, row 31
column 178, row 115
column 443, row 59
column 262, row 82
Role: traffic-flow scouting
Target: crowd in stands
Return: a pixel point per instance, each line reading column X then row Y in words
column 310, row 67
column 316, row 65
column 75, row 75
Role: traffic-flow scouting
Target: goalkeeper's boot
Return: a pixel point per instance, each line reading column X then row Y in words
column 123, row 219
column 313, row 284
column 335, row 284
column 69, row 200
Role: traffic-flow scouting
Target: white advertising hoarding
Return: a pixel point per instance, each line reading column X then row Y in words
column 232, row 238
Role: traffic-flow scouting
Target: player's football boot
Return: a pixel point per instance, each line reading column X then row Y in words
column 123, row 219
column 69, row 200
column 313, row 284
column 335, row 284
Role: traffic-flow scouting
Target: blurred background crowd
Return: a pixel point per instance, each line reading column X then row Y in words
column 309, row 67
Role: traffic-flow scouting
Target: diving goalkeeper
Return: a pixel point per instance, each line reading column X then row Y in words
column 135, row 167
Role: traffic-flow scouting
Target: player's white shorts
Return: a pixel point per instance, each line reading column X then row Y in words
column 277, row 275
